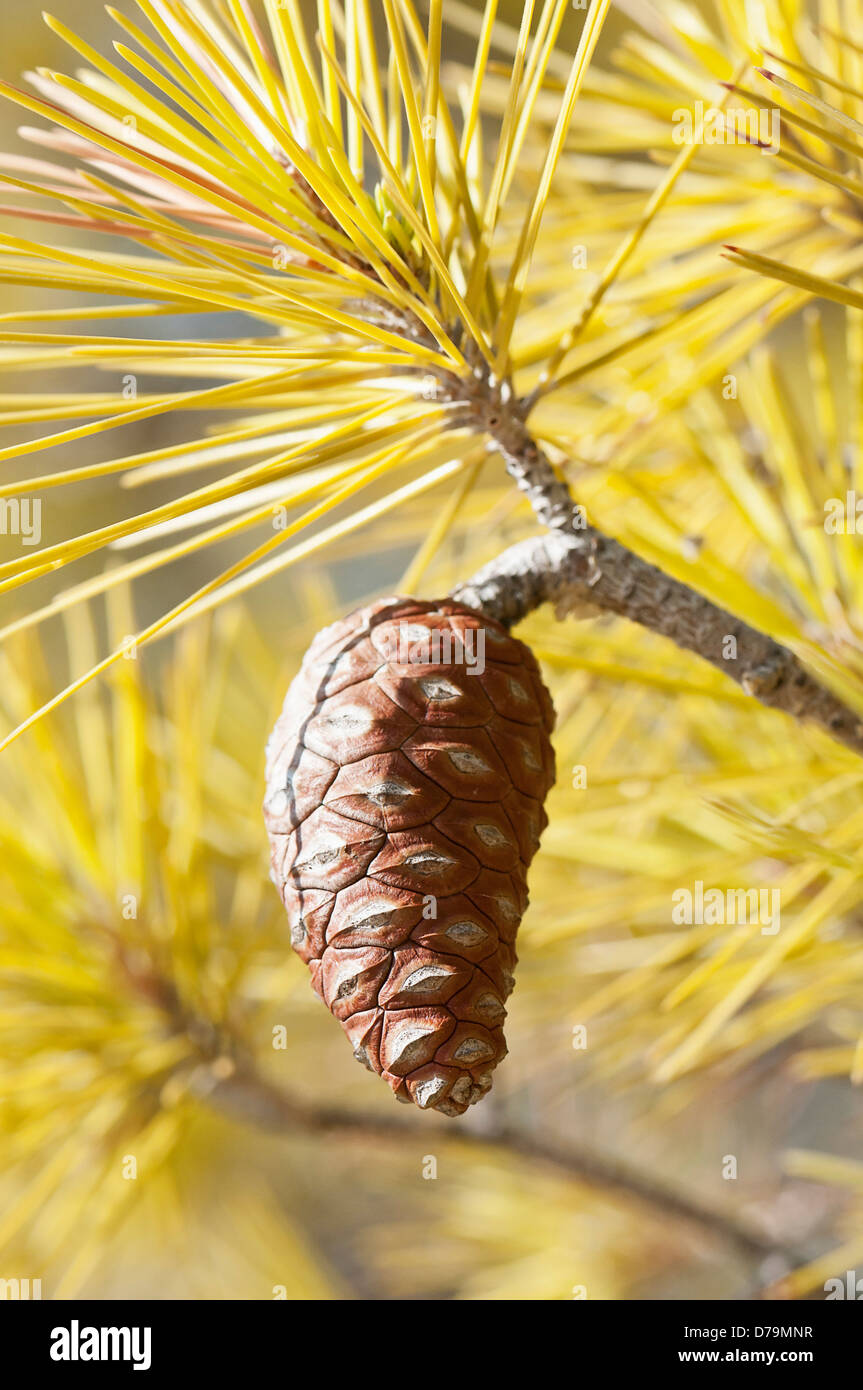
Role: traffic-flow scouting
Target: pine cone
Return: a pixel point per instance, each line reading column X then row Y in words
column 406, row 778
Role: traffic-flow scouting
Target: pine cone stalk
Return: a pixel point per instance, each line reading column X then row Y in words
column 406, row 780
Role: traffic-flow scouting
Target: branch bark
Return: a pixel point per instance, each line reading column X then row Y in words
column 577, row 568
column 249, row 1097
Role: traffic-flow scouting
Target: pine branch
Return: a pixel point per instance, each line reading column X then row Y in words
column 575, row 566
column 230, row 1081
column 249, row 1097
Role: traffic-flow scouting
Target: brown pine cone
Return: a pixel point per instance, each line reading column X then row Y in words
column 406, row 778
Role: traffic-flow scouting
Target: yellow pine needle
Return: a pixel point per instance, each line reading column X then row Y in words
column 813, row 1277
column 101, row 311
column 815, row 75
column 837, row 178
column 548, row 28
column 820, row 131
column 473, row 463
column 120, row 575
column 162, row 130
column 397, row 39
column 804, row 280
column 331, row 445
column 182, row 45
column 170, row 618
column 107, row 142
column 399, row 195
column 330, row 86
column 326, row 537
column 179, row 401
column 249, row 35
column 827, row 901
column 314, row 307
column 603, row 359
column 459, row 199
column 654, row 205
column 506, row 140
column 484, row 39
column 432, row 88
column 530, row 230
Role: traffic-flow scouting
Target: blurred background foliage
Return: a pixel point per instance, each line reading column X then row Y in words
column 146, row 968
